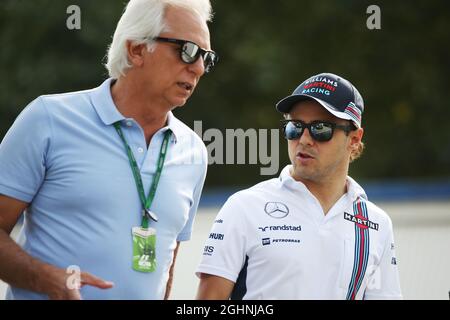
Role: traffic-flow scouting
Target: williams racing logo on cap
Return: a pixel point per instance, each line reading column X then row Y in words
column 276, row 210
column 319, row 85
column 361, row 222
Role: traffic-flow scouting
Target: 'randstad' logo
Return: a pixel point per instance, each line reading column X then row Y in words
column 361, row 222
column 281, row 228
column 276, row 210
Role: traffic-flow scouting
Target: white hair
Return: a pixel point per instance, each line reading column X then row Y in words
column 141, row 21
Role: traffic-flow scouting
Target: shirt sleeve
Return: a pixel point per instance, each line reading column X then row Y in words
column 385, row 283
column 185, row 234
column 23, row 153
column 225, row 248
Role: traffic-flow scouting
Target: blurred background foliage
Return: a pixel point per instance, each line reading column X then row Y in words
column 266, row 49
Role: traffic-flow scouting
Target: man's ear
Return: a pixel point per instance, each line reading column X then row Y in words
column 136, row 53
column 356, row 138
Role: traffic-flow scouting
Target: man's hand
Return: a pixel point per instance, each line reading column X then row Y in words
column 63, row 285
column 21, row 270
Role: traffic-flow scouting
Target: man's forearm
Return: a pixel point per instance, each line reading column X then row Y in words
column 171, row 270
column 18, row 268
column 169, row 283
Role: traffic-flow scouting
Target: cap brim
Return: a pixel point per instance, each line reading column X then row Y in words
column 287, row 103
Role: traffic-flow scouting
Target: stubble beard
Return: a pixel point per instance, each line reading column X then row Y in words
column 315, row 174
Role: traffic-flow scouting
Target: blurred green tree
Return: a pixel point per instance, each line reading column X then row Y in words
column 266, row 49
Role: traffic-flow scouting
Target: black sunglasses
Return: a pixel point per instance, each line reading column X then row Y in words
column 319, row 130
column 190, row 52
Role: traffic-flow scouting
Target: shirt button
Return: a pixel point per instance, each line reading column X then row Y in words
column 129, row 124
column 140, row 150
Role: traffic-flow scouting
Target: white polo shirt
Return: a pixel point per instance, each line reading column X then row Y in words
column 274, row 241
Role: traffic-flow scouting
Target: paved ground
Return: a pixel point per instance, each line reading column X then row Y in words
column 422, row 234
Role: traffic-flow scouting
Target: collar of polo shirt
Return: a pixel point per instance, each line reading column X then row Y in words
column 354, row 190
column 109, row 114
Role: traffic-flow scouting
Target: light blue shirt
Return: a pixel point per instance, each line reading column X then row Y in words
column 64, row 157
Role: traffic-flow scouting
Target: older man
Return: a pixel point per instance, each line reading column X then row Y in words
column 109, row 179
column 311, row 233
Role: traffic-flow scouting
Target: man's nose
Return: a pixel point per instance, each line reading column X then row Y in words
column 306, row 138
column 198, row 67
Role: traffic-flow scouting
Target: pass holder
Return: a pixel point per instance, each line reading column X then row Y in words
column 144, row 249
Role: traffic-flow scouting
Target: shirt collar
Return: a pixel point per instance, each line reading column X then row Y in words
column 354, row 190
column 174, row 125
column 104, row 105
column 289, row 182
column 107, row 111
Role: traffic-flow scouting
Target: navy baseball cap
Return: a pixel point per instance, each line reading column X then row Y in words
column 333, row 92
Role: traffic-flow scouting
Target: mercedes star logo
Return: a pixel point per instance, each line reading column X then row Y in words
column 276, row 210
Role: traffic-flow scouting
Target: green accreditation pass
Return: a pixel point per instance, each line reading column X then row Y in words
column 144, row 249
column 144, row 237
